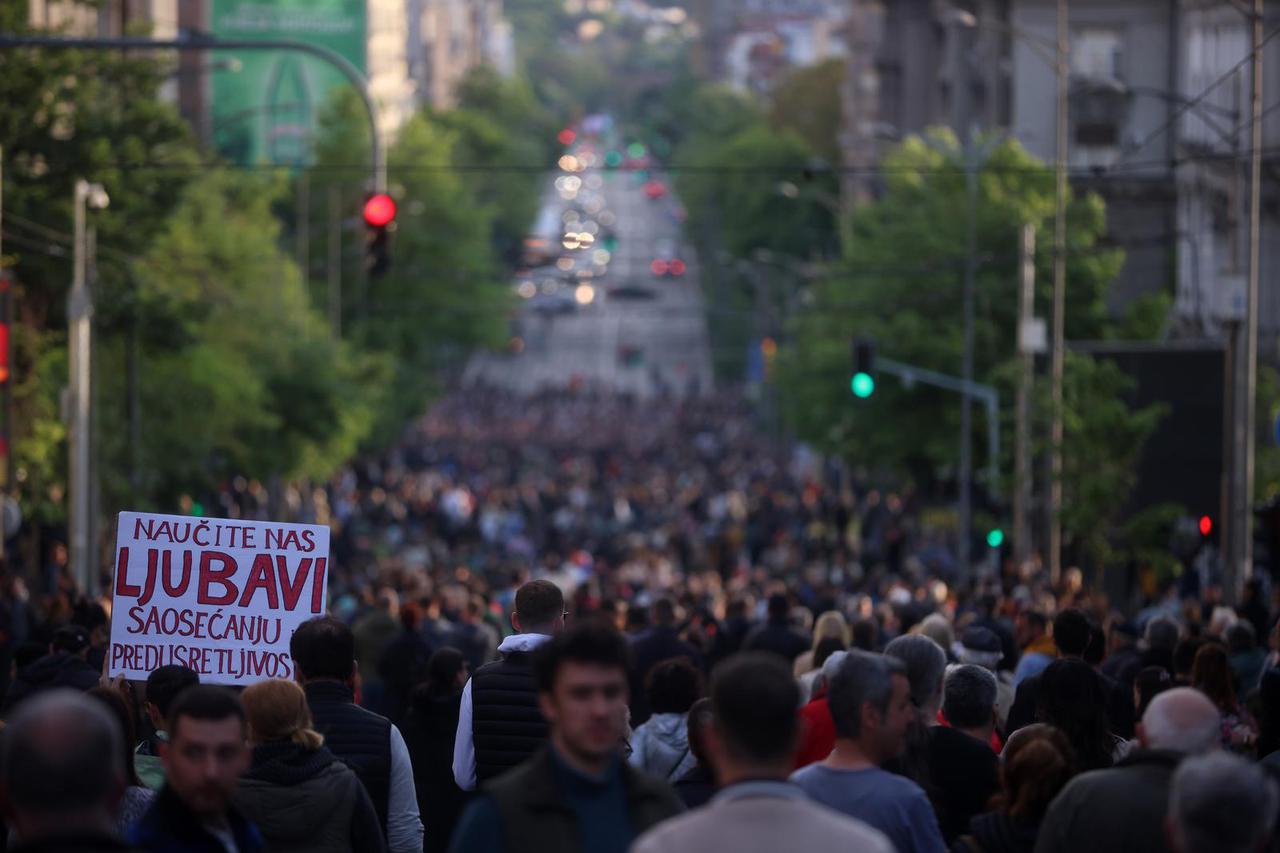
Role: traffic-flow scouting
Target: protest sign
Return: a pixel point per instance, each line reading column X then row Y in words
column 221, row 596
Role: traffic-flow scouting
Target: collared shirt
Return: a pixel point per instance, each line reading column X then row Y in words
column 464, row 746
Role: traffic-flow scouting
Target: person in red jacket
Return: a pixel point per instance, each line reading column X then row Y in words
column 818, row 730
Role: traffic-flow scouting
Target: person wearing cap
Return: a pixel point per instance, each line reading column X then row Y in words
column 981, row 647
column 66, row 665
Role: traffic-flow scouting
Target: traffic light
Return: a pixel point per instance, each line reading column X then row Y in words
column 863, row 383
column 379, row 220
column 995, row 537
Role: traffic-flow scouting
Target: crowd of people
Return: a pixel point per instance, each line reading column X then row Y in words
column 579, row 622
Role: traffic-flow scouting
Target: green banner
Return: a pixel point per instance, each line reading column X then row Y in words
column 266, row 110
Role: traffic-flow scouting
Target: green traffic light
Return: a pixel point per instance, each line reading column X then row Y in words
column 995, row 538
column 197, row 508
column 863, row 385
column 636, row 150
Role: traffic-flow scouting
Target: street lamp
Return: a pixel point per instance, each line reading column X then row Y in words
column 80, row 321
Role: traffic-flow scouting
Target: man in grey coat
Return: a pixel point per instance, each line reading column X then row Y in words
column 1122, row 809
column 751, row 744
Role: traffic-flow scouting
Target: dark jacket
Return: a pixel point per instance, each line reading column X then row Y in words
column 1117, row 810
column 535, row 816
column 779, row 638
column 696, row 788
column 429, row 732
column 647, row 651
column 170, row 827
column 50, row 672
column 307, row 800
column 80, row 843
column 403, row 664
column 1120, row 711
column 964, row 773
column 362, row 739
column 506, row 724
column 996, row 832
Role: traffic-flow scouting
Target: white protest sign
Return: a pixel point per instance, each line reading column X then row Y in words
column 221, row 596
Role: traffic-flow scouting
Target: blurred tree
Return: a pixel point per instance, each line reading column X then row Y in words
column 807, row 101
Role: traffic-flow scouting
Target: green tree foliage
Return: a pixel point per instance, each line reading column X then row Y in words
column 901, row 283
column 807, row 101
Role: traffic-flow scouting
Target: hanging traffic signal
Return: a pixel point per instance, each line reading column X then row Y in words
column 1206, row 525
column 379, row 220
column 995, row 537
column 863, row 383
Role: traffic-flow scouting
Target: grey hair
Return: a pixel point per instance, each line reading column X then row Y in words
column 1182, row 720
column 925, row 662
column 861, row 678
column 832, row 664
column 968, row 696
column 1220, row 803
column 62, row 754
column 1161, row 633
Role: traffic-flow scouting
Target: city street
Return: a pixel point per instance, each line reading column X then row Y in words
column 660, row 320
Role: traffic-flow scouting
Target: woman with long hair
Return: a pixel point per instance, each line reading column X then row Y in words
column 1212, row 675
column 831, row 624
column 300, row 796
column 1072, row 699
column 1037, row 764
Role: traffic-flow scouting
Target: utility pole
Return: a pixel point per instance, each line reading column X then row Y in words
column 80, row 317
column 1059, row 301
column 1026, row 376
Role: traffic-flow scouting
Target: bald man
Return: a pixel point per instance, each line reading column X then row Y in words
column 1122, row 809
column 63, row 774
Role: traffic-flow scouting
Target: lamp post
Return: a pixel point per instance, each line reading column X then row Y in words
column 80, row 321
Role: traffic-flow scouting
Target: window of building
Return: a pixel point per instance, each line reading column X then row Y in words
column 1097, row 53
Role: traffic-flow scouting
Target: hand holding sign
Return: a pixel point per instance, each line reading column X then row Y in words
column 220, row 596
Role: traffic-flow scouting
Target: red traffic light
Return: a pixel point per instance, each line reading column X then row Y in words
column 1206, row 525
column 566, row 136
column 379, row 210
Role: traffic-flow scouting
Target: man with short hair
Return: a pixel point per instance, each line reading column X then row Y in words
column 1220, row 803
column 659, row 642
column 1031, row 631
column 499, row 723
column 576, row 794
column 870, row 701
column 751, row 741
column 323, row 651
column 207, row 751
column 164, row 684
column 63, row 777
column 963, row 769
column 776, row 635
column 1122, row 809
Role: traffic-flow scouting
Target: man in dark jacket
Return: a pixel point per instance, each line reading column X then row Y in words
column 660, row 642
column 963, row 769
column 777, row 635
column 499, row 723
column 577, row 794
column 323, row 651
column 66, row 665
column 206, row 753
column 62, row 776
column 1122, row 809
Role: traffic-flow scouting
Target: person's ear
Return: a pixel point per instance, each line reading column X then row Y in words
column 1141, row 732
column 547, row 705
column 515, row 623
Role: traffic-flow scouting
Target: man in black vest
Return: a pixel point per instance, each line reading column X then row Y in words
column 499, row 724
column 576, row 794
column 323, row 651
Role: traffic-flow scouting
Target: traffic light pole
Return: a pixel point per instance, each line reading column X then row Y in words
column 205, row 42
column 986, row 394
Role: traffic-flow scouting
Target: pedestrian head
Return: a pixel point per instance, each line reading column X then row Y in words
column 936, row 627
column 207, row 749
column 866, row 635
column 1161, row 633
column 1071, row 632
column 277, row 711
column 1036, row 765
column 61, row 767
column 825, row 648
column 1029, row 627
column 697, row 726
column 1149, row 683
column 1241, row 637
column 831, row 625
column 582, row 691
column 1220, row 803
column 1180, row 719
column 969, row 697
column 779, row 608
column 1211, row 674
column 870, row 701
column 72, row 639
column 664, row 613
column 754, row 722
column 673, row 686
column 1072, row 698
column 539, row 608
column 979, row 646
column 164, row 684
column 925, row 664
column 115, row 701
column 323, row 649
column 1184, row 657
column 446, row 672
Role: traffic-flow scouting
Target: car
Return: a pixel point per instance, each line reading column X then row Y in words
column 666, row 260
